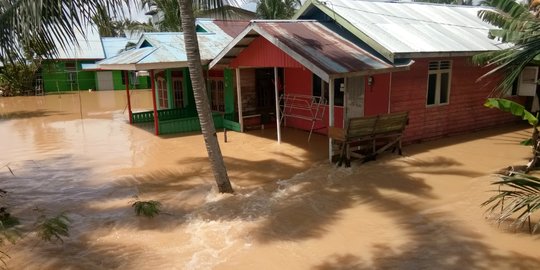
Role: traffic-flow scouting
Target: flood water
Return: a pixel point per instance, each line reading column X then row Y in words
column 76, row 154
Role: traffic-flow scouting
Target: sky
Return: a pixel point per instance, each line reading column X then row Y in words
column 136, row 14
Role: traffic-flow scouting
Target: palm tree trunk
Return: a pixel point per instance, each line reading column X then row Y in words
column 201, row 98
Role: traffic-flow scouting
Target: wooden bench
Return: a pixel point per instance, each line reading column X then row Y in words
column 367, row 134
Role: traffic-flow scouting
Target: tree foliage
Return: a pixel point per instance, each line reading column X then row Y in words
column 19, row 77
column 517, row 26
column 512, row 107
column 277, row 9
column 42, row 23
column 518, row 110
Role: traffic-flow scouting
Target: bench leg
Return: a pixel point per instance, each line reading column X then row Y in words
column 341, row 154
column 348, row 156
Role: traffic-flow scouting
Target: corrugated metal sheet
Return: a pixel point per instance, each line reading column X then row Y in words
column 312, row 44
column 415, row 27
column 89, row 47
column 250, row 5
column 167, row 49
column 113, row 45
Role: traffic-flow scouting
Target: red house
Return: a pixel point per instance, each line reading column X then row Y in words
column 358, row 58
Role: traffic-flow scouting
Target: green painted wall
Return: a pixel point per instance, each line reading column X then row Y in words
column 57, row 79
column 189, row 91
column 144, row 82
column 228, row 75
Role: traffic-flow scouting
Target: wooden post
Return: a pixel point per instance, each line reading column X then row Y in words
column 330, row 114
column 278, row 117
column 126, row 77
column 239, row 99
column 153, row 86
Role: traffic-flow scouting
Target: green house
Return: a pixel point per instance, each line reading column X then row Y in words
column 163, row 57
column 74, row 68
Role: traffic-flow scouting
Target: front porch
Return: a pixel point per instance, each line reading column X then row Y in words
column 172, row 121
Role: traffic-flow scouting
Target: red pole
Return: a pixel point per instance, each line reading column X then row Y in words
column 153, row 85
column 126, row 76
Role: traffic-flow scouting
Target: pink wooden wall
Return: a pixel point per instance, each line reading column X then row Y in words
column 465, row 111
column 262, row 53
column 377, row 94
column 299, row 81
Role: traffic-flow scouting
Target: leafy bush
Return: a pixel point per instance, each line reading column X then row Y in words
column 53, row 229
column 147, row 208
column 18, row 78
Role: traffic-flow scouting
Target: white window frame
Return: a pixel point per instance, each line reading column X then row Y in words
column 163, row 96
column 438, row 71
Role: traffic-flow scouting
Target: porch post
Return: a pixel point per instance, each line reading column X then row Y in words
column 278, row 117
column 126, row 77
column 330, row 114
column 153, row 86
column 239, row 99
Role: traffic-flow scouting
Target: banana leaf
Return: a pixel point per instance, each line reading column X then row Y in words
column 512, row 107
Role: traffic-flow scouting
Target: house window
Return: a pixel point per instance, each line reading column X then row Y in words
column 216, row 94
column 162, row 93
column 133, row 79
column 70, row 66
column 320, row 85
column 72, row 77
column 438, row 90
column 178, row 91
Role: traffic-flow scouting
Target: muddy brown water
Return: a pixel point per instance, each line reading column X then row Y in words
column 292, row 210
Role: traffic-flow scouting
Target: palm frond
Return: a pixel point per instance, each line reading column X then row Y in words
column 45, row 22
column 518, row 195
column 517, row 26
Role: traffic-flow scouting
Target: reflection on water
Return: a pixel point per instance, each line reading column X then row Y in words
column 291, row 209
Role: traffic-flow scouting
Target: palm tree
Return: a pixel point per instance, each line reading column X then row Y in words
column 110, row 27
column 201, row 98
column 277, row 9
column 517, row 26
column 25, row 21
column 42, row 23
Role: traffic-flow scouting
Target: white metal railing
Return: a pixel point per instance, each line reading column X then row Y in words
column 310, row 108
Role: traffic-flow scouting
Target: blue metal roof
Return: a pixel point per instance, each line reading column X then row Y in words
column 166, row 50
column 113, row 45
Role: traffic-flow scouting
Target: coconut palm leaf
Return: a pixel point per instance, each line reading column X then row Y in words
column 517, row 195
column 45, row 22
column 514, row 108
column 516, row 26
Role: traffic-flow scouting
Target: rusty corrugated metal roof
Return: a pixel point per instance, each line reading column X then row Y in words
column 313, row 44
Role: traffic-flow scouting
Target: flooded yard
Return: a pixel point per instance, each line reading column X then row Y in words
column 292, row 209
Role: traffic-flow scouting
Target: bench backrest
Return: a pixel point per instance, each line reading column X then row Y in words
column 376, row 125
column 391, row 123
column 361, row 126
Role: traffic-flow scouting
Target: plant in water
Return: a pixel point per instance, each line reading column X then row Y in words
column 519, row 195
column 520, row 111
column 147, row 208
column 53, row 229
